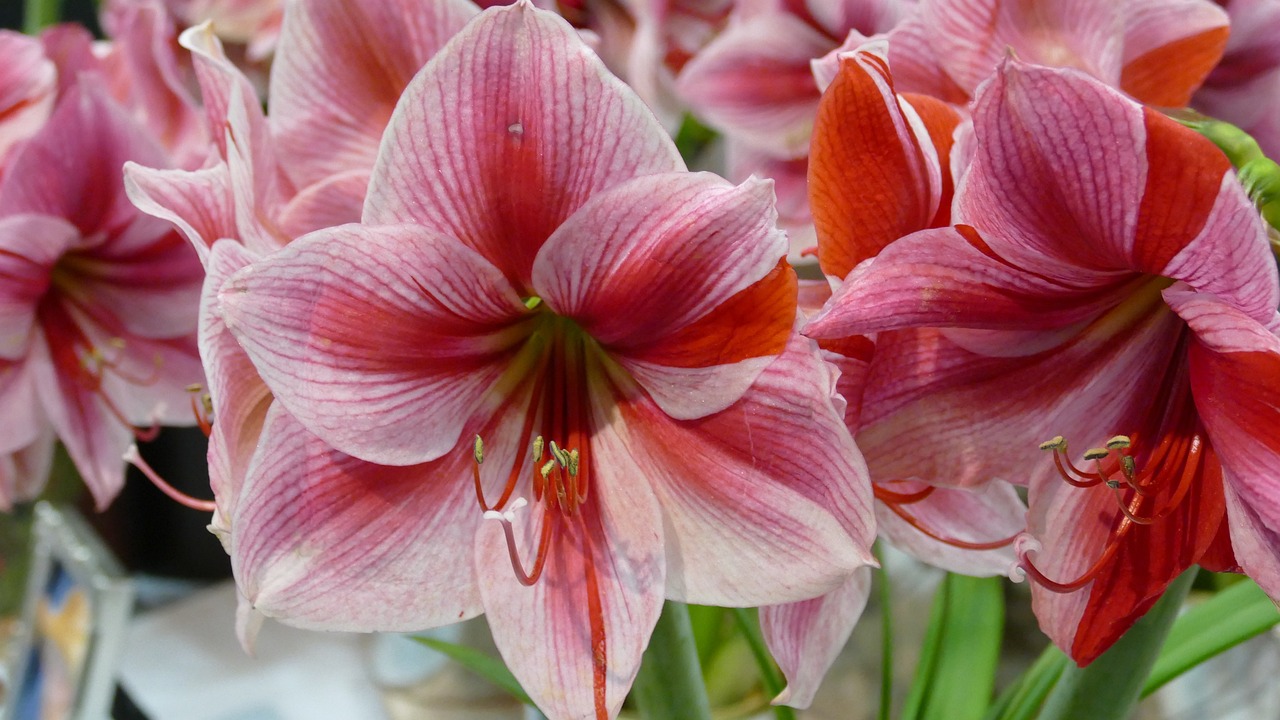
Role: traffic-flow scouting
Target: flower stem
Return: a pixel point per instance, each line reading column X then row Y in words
column 886, row 638
column 669, row 684
column 40, row 14
column 769, row 675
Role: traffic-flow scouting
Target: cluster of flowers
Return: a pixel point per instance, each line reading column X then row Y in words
column 475, row 340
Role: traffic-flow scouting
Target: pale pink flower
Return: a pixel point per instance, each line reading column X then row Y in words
column 97, row 303
column 1244, row 89
column 528, row 267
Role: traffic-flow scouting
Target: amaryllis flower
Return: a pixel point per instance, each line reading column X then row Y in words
column 97, row 302
column 878, row 171
column 542, row 320
column 1158, row 51
column 1103, row 293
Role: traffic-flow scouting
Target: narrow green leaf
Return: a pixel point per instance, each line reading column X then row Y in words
column 1108, row 689
column 772, row 678
column 708, row 631
column 1225, row 620
column 957, row 670
column 486, row 666
column 1023, row 699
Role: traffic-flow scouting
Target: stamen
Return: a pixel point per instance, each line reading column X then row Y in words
column 134, row 458
column 1024, row 562
column 896, row 498
column 507, row 518
column 962, row 544
column 206, row 405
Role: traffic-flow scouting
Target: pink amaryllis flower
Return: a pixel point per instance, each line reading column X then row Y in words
column 530, row 272
column 1157, row 51
column 1106, row 282
column 97, row 302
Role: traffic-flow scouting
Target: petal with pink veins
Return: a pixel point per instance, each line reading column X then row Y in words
column 482, row 146
column 754, row 82
column 395, row 539
column 381, row 340
column 338, row 71
column 764, row 502
column 805, row 637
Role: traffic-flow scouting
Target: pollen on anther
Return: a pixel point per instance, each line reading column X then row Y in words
column 478, row 452
column 1057, row 443
column 1119, row 442
column 1095, row 453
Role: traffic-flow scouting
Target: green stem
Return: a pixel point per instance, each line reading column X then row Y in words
column 1108, row 688
column 769, row 675
column 40, row 14
column 669, row 684
column 886, row 639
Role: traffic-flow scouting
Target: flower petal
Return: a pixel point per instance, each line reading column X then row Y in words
column 805, row 637
column 198, row 202
column 381, row 340
column 574, row 639
column 484, row 148
column 338, row 71
column 30, row 245
column 1169, row 48
column 677, row 276
column 394, row 539
column 988, row 514
column 872, row 178
column 754, row 82
column 765, row 502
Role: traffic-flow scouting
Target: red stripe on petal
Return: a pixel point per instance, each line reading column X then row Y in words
column 1184, row 174
column 868, row 184
column 1168, row 75
column 755, row 322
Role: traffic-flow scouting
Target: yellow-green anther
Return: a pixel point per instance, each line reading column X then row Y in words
column 538, row 444
column 1128, row 466
column 1095, row 453
column 573, row 463
column 1057, row 443
column 560, row 455
column 532, row 302
column 1113, row 484
column 117, row 343
column 547, row 468
column 1119, row 442
column 479, row 451
column 194, row 388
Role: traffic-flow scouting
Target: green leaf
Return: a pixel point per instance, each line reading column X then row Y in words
column 1225, row 620
column 957, row 670
column 1023, row 699
column 692, row 138
column 1109, row 687
column 486, row 666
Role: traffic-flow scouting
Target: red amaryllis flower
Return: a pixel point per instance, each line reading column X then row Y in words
column 1107, row 282
column 617, row 333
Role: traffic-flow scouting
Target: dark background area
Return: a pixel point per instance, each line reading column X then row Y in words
column 149, row 532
